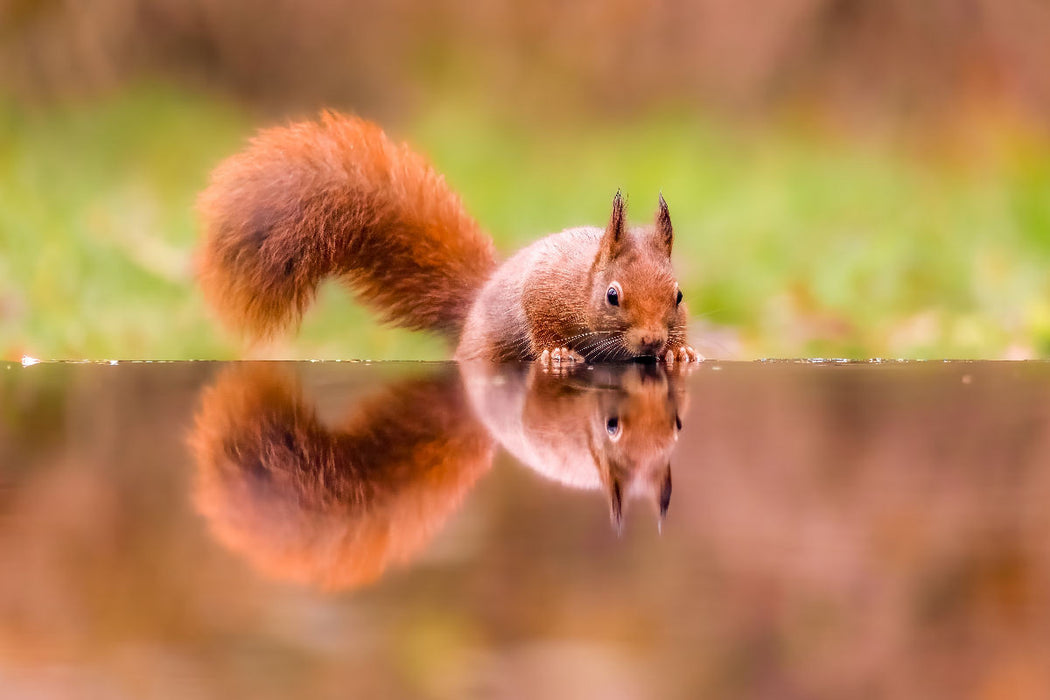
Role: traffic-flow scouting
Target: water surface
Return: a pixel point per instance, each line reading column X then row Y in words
column 283, row 530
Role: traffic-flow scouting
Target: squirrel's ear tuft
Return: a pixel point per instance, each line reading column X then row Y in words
column 616, row 231
column 664, row 233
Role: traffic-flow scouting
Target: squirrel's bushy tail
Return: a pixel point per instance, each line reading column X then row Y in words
column 337, row 197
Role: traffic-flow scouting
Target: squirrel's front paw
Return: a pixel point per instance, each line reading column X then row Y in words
column 684, row 353
column 560, row 358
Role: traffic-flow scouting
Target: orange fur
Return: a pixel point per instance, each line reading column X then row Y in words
column 337, row 198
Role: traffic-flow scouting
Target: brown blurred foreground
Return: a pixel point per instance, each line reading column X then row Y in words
column 836, row 531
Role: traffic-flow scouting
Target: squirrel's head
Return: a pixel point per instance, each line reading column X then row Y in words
column 635, row 295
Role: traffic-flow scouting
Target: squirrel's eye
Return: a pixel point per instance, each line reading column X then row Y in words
column 678, row 298
column 677, row 422
column 612, row 296
column 612, row 426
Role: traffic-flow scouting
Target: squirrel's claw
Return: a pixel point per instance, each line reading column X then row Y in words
column 689, row 354
column 560, row 359
column 685, row 353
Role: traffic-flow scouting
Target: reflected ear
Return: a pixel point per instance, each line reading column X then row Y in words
column 663, row 234
column 616, row 505
column 615, row 232
column 678, row 396
column 665, row 493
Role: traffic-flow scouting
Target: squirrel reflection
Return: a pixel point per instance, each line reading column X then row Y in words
column 334, row 506
column 608, row 427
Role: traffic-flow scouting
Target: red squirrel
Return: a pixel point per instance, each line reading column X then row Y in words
column 337, row 197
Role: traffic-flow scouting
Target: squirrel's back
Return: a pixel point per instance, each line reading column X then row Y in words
column 337, row 197
column 550, row 269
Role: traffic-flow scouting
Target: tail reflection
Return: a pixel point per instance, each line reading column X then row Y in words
column 334, row 507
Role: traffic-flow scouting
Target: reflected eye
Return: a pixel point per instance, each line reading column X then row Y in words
column 613, row 296
column 678, row 298
column 612, row 426
column 677, row 422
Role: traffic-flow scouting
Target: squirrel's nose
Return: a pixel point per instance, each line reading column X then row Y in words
column 650, row 342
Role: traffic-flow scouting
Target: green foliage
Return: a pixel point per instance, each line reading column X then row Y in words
column 800, row 244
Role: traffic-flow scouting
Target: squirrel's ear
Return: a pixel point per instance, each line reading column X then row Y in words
column 615, row 232
column 664, row 233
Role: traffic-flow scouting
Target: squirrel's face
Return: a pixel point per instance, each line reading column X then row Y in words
column 635, row 296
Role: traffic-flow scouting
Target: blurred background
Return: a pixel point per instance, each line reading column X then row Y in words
column 847, row 177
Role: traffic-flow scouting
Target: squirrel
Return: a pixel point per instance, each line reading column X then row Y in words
column 339, row 198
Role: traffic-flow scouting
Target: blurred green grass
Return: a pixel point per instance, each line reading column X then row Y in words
column 789, row 242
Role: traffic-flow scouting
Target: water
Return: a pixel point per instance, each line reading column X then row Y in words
column 275, row 530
